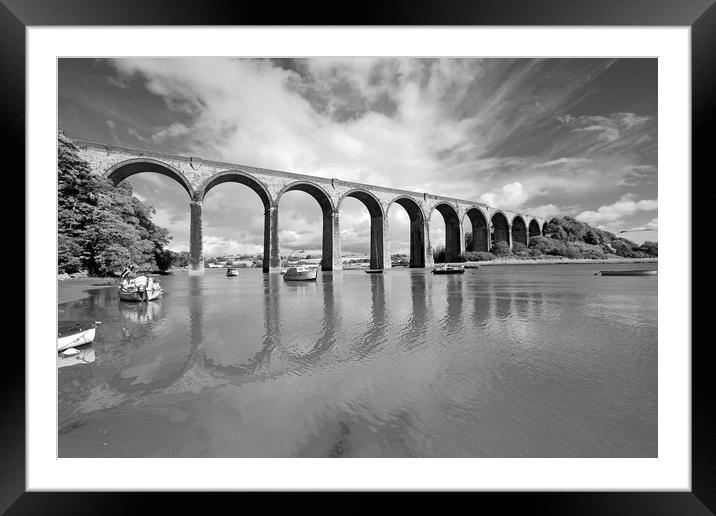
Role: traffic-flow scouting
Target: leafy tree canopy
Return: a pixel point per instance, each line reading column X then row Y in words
column 101, row 227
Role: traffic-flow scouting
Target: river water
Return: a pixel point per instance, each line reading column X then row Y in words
column 503, row 361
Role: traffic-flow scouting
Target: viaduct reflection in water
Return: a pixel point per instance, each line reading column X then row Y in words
column 489, row 303
column 400, row 364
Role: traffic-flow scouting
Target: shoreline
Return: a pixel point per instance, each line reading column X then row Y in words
column 556, row 261
column 75, row 289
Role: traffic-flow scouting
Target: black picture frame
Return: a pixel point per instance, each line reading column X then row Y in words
column 700, row 15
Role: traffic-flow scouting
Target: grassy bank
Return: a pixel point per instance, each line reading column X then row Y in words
column 556, row 261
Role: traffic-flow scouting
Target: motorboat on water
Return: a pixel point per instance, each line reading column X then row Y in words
column 374, row 271
column 71, row 334
column 448, row 269
column 300, row 274
column 232, row 272
column 638, row 272
column 141, row 288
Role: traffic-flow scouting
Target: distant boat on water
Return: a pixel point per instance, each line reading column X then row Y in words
column 300, row 274
column 638, row 272
column 374, row 271
column 232, row 272
column 448, row 269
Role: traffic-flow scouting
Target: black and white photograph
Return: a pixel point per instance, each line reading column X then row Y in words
column 376, row 257
column 421, row 239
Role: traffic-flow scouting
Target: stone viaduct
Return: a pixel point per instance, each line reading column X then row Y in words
column 198, row 176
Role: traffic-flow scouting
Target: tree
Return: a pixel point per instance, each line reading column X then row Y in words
column 439, row 254
column 500, row 248
column 102, row 228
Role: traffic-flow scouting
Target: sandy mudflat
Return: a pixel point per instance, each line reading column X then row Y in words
column 74, row 289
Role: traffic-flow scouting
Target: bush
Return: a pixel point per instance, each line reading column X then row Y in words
column 519, row 248
column 439, row 255
column 500, row 249
column 479, row 256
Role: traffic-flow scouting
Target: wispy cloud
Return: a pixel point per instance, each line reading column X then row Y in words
column 512, row 133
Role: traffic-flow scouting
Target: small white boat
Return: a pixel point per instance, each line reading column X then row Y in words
column 448, row 269
column 71, row 334
column 232, row 272
column 300, row 274
column 141, row 288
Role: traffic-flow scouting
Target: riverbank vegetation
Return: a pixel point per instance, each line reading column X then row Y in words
column 563, row 238
column 102, row 228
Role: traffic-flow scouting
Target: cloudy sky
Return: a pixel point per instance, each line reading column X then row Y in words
column 551, row 137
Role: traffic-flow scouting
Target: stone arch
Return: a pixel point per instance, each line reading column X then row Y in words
column 377, row 225
column 417, row 228
column 121, row 171
column 236, row 176
column 500, row 228
column 452, row 229
column 534, row 229
column 519, row 230
column 331, row 247
column 369, row 200
column 314, row 190
column 544, row 226
column 479, row 227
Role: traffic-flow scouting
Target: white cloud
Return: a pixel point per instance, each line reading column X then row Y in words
column 426, row 125
column 511, row 196
column 546, row 211
column 627, row 205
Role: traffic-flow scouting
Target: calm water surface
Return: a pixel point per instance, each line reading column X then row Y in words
column 504, row 361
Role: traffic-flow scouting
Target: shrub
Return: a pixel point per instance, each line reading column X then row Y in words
column 479, row 256
column 519, row 248
column 439, row 255
column 500, row 249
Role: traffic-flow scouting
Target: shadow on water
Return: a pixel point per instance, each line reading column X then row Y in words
column 455, row 292
column 166, row 374
column 374, row 336
column 329, row 322
column 140, row 313
column 415, row 329
column 272, row 330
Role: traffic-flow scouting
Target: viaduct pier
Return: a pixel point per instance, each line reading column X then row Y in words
column 198, row 176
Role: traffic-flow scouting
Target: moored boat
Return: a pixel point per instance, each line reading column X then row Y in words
column 638, row 272
column 374, row 271
column 448, row 269
column 232, row 272
column 300, row 274
column 141, row 288
column 71, row 334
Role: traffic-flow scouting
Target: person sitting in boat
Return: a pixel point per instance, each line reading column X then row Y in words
column 127, row 276
column 128, row 272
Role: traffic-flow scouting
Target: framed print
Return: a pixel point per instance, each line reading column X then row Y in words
column 423, row 243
